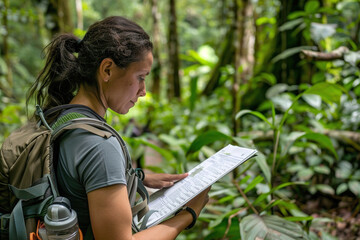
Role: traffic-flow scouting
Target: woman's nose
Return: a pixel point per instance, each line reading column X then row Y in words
column 142, row 90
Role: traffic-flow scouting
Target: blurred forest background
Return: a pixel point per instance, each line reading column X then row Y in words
column 281, row 76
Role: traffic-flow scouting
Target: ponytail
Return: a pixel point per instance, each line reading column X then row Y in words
column 58, row 80
column 115, row 37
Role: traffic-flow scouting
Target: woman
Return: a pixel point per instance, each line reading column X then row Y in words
column 109, row 71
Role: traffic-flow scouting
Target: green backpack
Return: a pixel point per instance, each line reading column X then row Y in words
column 27, row 174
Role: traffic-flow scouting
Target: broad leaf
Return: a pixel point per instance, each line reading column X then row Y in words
column 341, row 188
column 289, row 52
column 244, row 179
column 207, row 138
column 325, row 189
column 352, row 57
column 291, row 24
column 288, row 141
column 165, row 153
column 208, row 53
column 270, row 228
column 296, row 14
column 321, row 31
column 257, row 114
column 313, row 100
column 276, row 89
column 283, row 101
column 172, row 141
column 269, row 78
column 312, row 6
column 344, row 170
column 264, row 195
column 329, row 93
column 261, row 161
column 322, row 169
column 254, row 182
column 197, row 57
column 305, row 174
column 354, row 187
column 322, row 140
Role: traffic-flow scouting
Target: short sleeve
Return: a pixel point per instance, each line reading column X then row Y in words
column 104, row 165
column 88, row 162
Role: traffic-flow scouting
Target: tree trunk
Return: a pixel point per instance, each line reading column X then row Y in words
column 65, row 16
column 357, row 32
column 41, row 26
column 288, row 70
column 244, row 53
column 239, row 18
column 174, row 63
column 79, row 14
column 7, row 90
column 59, row 13
column 222, row 13
column 156, row 71
column 226, row 57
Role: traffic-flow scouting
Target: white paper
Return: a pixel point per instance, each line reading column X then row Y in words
column 166, row 201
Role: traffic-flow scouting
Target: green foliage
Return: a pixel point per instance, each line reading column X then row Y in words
column 270, row 227
column 290, row 125
column 205, row 139
column 12, row 116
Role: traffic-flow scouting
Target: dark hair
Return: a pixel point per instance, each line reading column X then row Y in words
column 117, row 38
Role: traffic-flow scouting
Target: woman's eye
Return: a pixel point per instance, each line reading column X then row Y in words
column 142, row 78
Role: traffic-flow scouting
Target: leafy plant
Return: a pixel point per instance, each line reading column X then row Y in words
column 270, row 227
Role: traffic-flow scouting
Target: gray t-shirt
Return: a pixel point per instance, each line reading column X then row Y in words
column 87, row 162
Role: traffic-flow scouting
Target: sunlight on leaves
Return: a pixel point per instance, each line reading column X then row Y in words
column 321, row 31
column 313, row 100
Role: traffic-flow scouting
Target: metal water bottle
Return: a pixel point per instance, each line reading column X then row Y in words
column 61, row 221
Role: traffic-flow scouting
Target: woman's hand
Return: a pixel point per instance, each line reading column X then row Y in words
column 161, row 180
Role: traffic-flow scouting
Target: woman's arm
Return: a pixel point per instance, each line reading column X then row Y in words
column 111, row 216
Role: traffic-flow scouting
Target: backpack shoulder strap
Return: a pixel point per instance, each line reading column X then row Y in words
column 102, row 129
column 94, row 126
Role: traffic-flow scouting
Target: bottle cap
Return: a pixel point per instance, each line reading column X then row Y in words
column 59, row 215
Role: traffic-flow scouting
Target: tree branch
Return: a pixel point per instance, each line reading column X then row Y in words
column 326, row 56
column 245, row 197
column 229, row 221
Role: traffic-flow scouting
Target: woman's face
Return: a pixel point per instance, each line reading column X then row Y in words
column 125, row 85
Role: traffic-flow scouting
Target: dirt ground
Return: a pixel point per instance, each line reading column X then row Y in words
column 342, row 212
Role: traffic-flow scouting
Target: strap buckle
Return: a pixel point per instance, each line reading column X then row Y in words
column 140, row 174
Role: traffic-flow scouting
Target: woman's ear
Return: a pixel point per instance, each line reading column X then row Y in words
column 105, row 69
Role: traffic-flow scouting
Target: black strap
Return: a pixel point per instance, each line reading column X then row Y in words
column 193, row 214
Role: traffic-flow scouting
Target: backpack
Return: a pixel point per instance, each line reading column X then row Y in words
column 27, row 172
